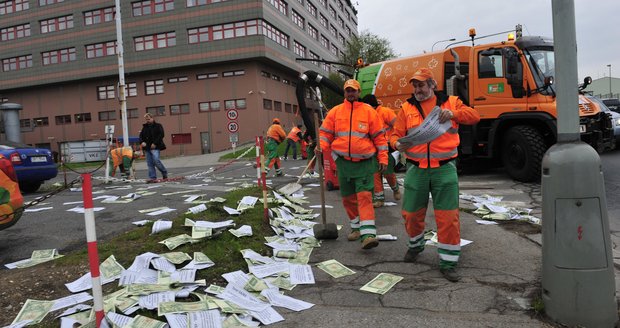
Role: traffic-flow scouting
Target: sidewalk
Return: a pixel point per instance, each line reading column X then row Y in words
column 189, row 161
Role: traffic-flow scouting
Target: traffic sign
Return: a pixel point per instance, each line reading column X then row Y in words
column 233, row 137
column 232, row 114
column 233, row 127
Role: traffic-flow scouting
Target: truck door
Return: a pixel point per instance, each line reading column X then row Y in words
column 492, row 95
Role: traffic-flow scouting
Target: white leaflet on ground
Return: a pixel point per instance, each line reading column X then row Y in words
column 177, row 320
column 242, row 298
column 301, row 274
column 252, row 255
column 231, row 211
column 215, row 225
column 184, row 276
column 162, row 264
column 151, row 301
column 485, row 222
column 197, row 266
column 142, row 261
column 161, row 225
column 496, row 208
column 277, row 299
column 387, row 237
column 15, row 264
column 141, row 223
column 86, row 282
column 313, row 185
column 160, row 212
column 80, row 210
column 265, row 270
column 70, row 300
column 132, row 310
column 283, row 247
column 238, row 277
column 64, row 323
column 389, row 204
column 319, row 206
column 304, row 234
column 204, row 319
column 73, row 203
column 118, row 319
column 38, row 209
column 267, row 316
column 74, row 309
column 248, row 200
column 197, row 209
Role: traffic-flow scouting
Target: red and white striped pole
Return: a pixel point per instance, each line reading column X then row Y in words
column 258, row 166
column 263, row 171
column 91, row 240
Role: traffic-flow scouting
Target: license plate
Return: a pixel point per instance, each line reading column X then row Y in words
column 582, row 128
column 38, row 159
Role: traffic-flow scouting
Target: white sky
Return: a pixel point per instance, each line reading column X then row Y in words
column 412, row 26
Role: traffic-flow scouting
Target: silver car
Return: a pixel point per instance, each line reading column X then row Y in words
column 615, row 118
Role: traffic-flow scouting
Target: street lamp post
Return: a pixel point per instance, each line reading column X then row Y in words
column 610, row 94
column 453, row 39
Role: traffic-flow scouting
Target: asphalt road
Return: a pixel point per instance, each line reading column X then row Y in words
column 611, row 171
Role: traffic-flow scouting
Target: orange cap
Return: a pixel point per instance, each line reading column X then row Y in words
column 422, row 74
column 276, row 121
column 352, row 84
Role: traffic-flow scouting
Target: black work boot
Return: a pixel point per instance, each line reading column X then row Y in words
column 412, row 255
column 450, row 274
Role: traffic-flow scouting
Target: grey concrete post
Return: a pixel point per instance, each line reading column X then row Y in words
column 10, row 118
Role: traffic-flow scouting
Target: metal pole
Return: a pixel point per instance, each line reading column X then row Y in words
column 610, row 94
column 453, row 39
column 121, row 74
column 91, row 242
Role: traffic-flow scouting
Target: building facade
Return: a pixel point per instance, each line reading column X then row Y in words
column 188, row 62
column 605, row 87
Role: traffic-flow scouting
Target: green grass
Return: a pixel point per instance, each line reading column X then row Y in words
column 224, row 249
column 252, row 153
column 77, row 166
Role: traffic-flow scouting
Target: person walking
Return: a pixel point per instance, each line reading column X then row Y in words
column 275, row 135
column 152, row 142
column 432, row 168
column 388, row 118
column 354, row 133
column 293, row 137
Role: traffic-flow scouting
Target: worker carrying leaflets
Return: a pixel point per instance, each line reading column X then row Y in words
column 432, row 168
column 275, row 135
column 355, row 135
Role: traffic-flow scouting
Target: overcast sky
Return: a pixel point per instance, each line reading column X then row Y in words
column 412, row 26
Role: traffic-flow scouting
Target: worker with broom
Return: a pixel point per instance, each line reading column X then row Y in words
column 356, row 137
column 275, row 135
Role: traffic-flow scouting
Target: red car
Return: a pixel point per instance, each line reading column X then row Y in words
column 11, row 200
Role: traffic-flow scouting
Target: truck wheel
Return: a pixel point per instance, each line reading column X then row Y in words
column 30, row 187
column 522, row 152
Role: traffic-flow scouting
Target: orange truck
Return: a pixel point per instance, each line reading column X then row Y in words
column 510, row 83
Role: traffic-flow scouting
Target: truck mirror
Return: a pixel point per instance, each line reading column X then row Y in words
column 548, row 81
column 514, row 72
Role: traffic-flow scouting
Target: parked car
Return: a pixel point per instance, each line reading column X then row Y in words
column 612, row 103
column 11, row 200
column 32, row 165
column 615, row 118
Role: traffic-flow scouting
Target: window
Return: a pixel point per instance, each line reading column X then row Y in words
column 295, row 109
column 16, row 63
column 101, row 49
column 287, row 108
column 41, row 121
column 154, row 87
column 297, row 19
column 24, row 123
column 177, row 79
column 132, row 89
column 156, row 110
column 63, row 119
column 326, row 67
column 99, row 16
column 209, row 106
column 234, row 104
column 275, row 77
column 332, row 11
column 193, row 3
column 179, row 109
column 131, row 113
column 108, row 115
column 155, row 41
column 236, row 30
column 207, row 76
column 301, row 1
column 299, row 49
column 15, row 32
column 348, row 30
column 149, row 7
column 265, row 74
column 56, row 24
column 323, row 3
column 277, row 106
column 324, row 41
column 233, row 73
column 267, row 104
column 332, row 29
column 82, row 118
column 490, row 66
column 7, row 7
column 311, row 9
column 313, row 32
column 334, row 50
column 285, row 81
column 314, row 56
column 323, row 20
column 58, row 56
column 341, row 38
column 340, row 22
column 106, row 92
column 181, row 138
column 48, row 2
column 280, row 5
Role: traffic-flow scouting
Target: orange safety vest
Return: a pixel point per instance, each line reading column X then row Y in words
column 354, row 132
column 293, row 135
column 443, row 148
column 388, row 117
column 276, row 133
column 117, row 155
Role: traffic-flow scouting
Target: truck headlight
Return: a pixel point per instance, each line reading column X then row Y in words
column 618, row 122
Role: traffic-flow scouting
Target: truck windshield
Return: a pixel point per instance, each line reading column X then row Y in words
column 542, row 64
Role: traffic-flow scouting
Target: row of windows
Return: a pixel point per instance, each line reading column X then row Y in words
column 299, row 20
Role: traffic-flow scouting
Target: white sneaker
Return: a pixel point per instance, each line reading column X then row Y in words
column 306, row 176
column 315, row 175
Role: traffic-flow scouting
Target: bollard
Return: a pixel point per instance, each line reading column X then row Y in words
column 91, row 240
column 264, row 180
column 258, row 176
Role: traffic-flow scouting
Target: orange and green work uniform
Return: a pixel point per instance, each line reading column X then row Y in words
column 121, row 157
column 354, row 133
column 275, row 135
column 431, row 168
column 388, row 118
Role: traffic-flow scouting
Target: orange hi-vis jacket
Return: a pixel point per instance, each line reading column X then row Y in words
column 388, row 117
column 445, row 146
column 355, row 132
column 276, row 132
column 117, row 155
column 294, row 134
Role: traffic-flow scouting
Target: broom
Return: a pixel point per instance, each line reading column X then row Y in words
column 324, row 230
column 293, row 187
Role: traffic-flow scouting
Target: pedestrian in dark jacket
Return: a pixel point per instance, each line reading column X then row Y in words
column 152, row 141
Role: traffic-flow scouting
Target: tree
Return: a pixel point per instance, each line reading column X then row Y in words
column 369, row 47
